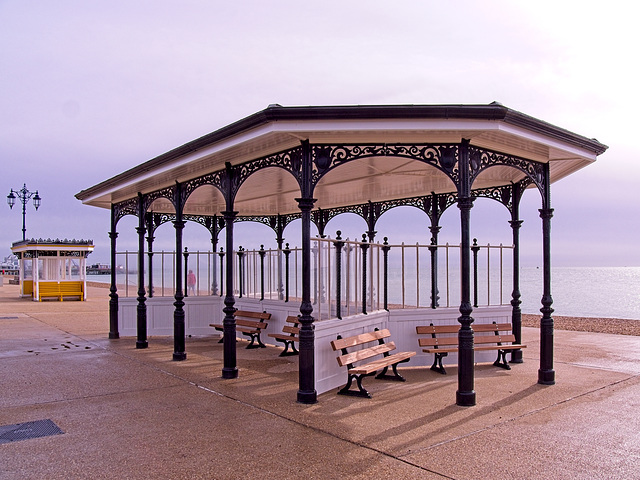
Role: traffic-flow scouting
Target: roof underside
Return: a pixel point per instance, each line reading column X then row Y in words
column 276, row 129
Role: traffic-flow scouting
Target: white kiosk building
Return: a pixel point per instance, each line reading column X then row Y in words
column 53, row 268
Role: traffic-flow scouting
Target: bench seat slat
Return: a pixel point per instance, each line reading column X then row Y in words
column 381, row 363
column 513, row 346
column 365, row 353
column 440, row 350
column 282, row 336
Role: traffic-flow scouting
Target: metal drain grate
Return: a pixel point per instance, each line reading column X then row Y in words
column 27, row 430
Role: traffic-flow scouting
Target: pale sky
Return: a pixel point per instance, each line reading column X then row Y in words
column 92, row 88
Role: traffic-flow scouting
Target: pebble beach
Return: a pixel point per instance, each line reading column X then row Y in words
column 617, row 326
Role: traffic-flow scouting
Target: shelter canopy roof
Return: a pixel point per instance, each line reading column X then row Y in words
column 277, row 129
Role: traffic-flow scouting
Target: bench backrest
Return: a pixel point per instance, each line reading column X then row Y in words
column 251, row 319
column 252, row 315
column 348, row 358
column 295, row 330
column 251, row 323
column 435, row 330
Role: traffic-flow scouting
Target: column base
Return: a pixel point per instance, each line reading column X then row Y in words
column 179, row 356
column 113, row 336
column 546, row 377
column 307, row 397
column 466, row 399
column 229, row 373
column 516, row 356
column 142, row 344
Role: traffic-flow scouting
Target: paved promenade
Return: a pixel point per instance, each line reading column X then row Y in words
column 136, row 414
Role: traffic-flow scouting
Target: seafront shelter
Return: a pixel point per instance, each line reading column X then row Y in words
column 313, row 163
column 53, row 269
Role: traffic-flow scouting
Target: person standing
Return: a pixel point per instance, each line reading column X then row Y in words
column 191, row 283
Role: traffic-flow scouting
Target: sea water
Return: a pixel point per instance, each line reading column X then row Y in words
column 610, row 292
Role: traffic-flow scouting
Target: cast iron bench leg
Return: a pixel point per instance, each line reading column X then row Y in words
column 437, row 363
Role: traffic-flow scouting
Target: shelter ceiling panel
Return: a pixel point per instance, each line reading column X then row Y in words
column 379, row 179
column 161, row 205
column 561, row 169
column 510, row 144
column 497, row 176
column 268, row 191
column 205, row 200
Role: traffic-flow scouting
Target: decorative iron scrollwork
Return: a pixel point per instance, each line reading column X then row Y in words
column 481, row 159
column 127, row 207
column 327, row 157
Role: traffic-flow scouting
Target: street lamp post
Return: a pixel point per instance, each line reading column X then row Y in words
column 23, row 195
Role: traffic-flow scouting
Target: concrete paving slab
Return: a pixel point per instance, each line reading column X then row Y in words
column 136, row 413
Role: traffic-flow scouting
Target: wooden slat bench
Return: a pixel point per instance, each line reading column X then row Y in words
column 289, row 336
column 358, row 372
column 250, row 324
column 60, row 290
column 487, row 336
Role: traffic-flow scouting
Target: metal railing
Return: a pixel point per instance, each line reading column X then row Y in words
column 348, row 276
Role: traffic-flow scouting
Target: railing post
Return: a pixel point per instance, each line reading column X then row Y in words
column 433, row 249
column 261, row 253
column 186, row 269
column 240, row 271
column 287, row 252
column 364, row 247
column 385, row 255
column 338, row 244
column 475, row 249
column 221, row 254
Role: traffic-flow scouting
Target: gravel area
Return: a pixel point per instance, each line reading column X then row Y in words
column 617, row 326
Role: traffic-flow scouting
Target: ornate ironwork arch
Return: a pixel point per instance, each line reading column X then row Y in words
column 482, row 159
column 169, row 193
column 126, row 207
column 444, row 157
column 229, row 180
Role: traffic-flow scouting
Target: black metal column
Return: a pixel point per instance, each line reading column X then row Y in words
column 141, row 342
column 306, row 368
column 516, row 312
column 229, row 369
column 179, row 332
column 113, row 289
column 546, row 374
column 465, row 396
